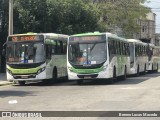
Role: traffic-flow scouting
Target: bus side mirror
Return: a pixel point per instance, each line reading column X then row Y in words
column 53, row 52
column 3, row 52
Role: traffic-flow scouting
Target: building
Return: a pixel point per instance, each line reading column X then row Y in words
column 147, row 32
column 157, row 39
column 147, row 29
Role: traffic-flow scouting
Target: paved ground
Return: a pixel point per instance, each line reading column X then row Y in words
column 134, row 94
column 3, row 80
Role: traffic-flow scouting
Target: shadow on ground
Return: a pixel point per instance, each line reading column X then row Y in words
column 64, row 82
column 8, row 93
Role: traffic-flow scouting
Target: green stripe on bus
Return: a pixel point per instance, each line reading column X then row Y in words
column 86, row 71
column 24, row 71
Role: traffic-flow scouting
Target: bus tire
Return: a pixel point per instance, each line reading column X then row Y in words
column 125, row 73
column 157, row 69
column 54, row 74
column 152, row 69
column 79, row 82
column 144, row 72
column 22, row 83
column 114, row 78
column 137, row 74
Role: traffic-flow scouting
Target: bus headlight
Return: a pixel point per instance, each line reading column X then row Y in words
column 131, row 64
column 105, row 67
column 41, row 70
column 70, row 69
column 149, row 63
column 9, row 71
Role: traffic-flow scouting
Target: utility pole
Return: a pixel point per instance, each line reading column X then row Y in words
column 10, row 29
column 1, row 16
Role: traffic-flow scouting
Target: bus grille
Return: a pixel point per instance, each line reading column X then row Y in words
column 88, row 76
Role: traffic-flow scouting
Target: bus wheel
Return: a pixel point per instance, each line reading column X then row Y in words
column 137, row 74
column 144, row 70
column 114, row 78
column 21, row 82
column 54, row 75
column 125, row 74
column 157, row 68
column 79, row 82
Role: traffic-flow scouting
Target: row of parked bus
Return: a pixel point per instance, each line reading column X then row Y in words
column 49, row 56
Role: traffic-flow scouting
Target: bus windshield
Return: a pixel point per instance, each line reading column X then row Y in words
column 30, row 52
column 87, row 53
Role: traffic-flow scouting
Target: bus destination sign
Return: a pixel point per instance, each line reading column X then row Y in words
column 24, row 38
column 87, row 38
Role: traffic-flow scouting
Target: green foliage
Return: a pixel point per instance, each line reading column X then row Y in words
column 30, row 15
column 73, row 16
column 59, row 16
column 123, row 13
column 4, row 21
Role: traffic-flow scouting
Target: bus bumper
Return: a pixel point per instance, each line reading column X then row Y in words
column 100, row 75
column 31, row 77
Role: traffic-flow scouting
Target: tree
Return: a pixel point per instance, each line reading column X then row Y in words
column 30, row 16
column 123, row 13
column 59, row 16
column 75, row 16
column 3, row 30
column 4, row 17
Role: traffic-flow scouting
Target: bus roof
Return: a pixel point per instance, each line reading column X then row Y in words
column 152, row 45
column 93, row 33
column 87, row 34
column 29, row 36
column 48, row 34
column 98, row 33
column 136, row 41
column 24, row 34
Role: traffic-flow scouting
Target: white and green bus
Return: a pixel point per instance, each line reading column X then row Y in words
column 97, row 56
column 153, row 53
column 36, row 56
column 138, row 57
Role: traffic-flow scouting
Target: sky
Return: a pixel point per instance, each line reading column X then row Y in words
column 155, row 6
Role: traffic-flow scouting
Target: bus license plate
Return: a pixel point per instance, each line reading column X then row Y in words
column 24, row 77
column 87, row 77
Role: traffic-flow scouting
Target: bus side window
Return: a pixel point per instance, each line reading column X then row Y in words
column 136, row 50
column 64, row 47
column 128, row 51
column 110, row 46
column 48, row 51
column 57, row 47
column 116, row 46
column 120, row 49
column 124, row 52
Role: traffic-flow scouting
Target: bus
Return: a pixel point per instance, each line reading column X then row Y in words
column 36, row 56
column 153, row 53
column 97, row 56
column 138, row 57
